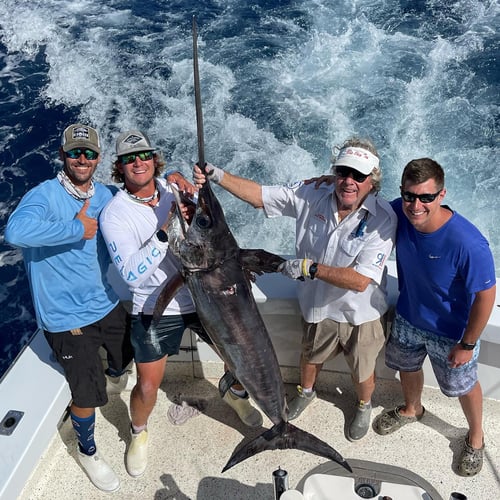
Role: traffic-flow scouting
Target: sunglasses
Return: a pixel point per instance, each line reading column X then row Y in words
column 345, row 171
column 74, row 154
column 143, row 156
column 410, row 197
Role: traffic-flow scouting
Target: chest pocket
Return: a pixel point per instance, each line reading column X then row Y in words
column 352, row 245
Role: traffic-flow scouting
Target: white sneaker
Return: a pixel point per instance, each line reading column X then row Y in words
column 247, row 413
column 137, row 454
column 99, row 471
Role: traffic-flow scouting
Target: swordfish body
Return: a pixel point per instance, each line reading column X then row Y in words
column 217, row 273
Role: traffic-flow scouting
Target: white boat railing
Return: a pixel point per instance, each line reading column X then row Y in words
column 35, row 389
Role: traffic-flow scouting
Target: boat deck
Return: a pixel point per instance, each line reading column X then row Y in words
column 185, row 461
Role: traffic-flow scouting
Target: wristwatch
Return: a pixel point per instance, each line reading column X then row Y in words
column 467, row 347
column 313, row 269
column 162, row 235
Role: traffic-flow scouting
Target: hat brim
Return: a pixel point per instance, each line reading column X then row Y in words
column 135, row 150
column 355, row 163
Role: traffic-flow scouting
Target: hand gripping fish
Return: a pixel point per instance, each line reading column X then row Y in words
column 217, row 273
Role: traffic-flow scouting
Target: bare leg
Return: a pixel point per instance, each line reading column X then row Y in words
column 472, row 406
column 365, row 389
column 412, row 384
column 309, row 373
column 144, row 394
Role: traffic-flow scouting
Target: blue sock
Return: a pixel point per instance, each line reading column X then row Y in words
column 84, row 428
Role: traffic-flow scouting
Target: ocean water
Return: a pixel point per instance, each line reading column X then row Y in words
column 282, row 83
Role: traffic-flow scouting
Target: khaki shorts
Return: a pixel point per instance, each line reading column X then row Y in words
column 361, row 344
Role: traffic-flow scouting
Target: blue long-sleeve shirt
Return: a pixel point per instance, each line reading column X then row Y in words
column 67, row 274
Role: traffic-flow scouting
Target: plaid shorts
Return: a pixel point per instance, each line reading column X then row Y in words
column 408, row 347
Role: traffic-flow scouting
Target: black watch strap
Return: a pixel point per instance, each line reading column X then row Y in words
column 162, row 235
column 313, row 269
column 467, row 347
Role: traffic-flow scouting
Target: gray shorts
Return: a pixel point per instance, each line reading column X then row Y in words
column 361, row 344
column 408, row 347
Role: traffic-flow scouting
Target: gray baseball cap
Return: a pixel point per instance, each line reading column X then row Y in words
column 132, row 141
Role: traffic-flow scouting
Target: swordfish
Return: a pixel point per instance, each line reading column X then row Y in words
column 218, row 275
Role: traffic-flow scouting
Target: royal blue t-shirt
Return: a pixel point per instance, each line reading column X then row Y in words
column 439, row 273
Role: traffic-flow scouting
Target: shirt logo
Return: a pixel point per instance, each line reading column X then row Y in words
column 434, row 256
column 379, row 261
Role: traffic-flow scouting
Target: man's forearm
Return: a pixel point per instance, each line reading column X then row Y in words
column 244, row 189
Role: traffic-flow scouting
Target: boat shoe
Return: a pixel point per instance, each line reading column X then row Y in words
column 246, row 412
column 392, row 420
column 471, row 459
column 300, row 402
column 361, row 422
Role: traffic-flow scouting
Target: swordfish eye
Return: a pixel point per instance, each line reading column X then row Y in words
column 203, row 221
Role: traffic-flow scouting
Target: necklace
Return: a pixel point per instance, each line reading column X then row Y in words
column 138, row 199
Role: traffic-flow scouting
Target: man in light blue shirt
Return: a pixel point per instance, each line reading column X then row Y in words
column 66, row 260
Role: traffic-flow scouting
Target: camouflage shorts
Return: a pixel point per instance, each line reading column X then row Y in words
column 408, row 347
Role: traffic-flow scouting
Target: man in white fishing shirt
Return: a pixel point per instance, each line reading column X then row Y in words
column 344, row 234
column 135, row 225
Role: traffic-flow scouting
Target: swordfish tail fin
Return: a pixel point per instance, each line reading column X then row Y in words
column 285, row 436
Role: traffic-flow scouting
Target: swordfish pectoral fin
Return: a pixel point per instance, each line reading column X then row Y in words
column 259, row 261
column 283, row 436
column 166, row 295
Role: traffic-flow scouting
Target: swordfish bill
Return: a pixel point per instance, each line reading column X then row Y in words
column 218, row 274
column 197, row 98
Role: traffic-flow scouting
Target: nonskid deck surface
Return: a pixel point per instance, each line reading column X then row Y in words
column 185, row 461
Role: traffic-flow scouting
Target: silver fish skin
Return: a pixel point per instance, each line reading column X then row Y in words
column 218, row 274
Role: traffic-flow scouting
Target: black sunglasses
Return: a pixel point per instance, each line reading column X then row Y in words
column 345, row 171
column 74, row 154
column 143, row 156
column 410, row 197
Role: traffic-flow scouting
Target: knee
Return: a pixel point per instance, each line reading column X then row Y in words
column 147, row 388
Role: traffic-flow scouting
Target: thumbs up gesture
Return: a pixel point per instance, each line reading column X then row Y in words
column 89, row 223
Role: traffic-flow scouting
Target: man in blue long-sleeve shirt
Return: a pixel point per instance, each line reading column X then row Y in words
column 66, row 260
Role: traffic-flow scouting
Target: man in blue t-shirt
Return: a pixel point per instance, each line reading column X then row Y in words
column 66, row 260
column 447, row 290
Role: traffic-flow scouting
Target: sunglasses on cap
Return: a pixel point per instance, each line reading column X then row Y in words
column 410, row 197
column 74, row 154
column 130, row 158
column 345, row 171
